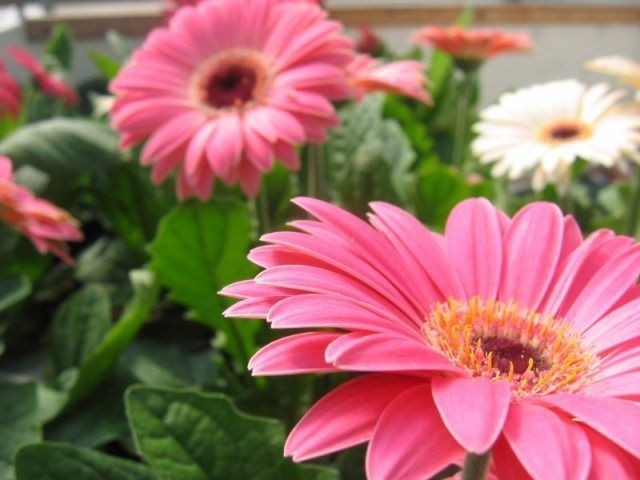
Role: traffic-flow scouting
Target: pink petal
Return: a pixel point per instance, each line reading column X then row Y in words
column 294, row 355
column 608, row 461
column 407, row 232
column 571, row 238
column 624, row 386
column 473, row 409
column 343, row 259
column 605, row 288
column 249, row 178
column 605, row 247
column 249, row 288
column 548, row 446
column 613, row 418
column 570, row 269
column 346, row 416
column 506, row 464
column 225, row 148
column 326, row 311
column 257, row 307
column 474, row 246
column 615, row 328
column 320, row 280
column 371, row 245
column 410, row 442
column 532, row 249
column 382, row 352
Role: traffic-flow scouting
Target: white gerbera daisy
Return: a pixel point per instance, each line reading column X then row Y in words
column 542, row 130
column 626, row 70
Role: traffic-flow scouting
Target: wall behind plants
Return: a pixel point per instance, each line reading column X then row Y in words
column 560, row 50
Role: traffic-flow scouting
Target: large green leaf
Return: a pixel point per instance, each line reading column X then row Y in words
column 97, row 420
column 58, row 461
column 194, row 436
column 79, row 325
column 199, row 249
column 13, row 289
column 62, row 147
column 92, row 371
column 19, row 424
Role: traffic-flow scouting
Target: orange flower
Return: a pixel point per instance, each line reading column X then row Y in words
column 472, row 45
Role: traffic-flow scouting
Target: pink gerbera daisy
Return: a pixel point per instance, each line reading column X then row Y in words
column 47, row 226
column 10, row 94
column 404, row 77
column 230, row 86
column 472, row 45
column 513, row 337
column 48, row 82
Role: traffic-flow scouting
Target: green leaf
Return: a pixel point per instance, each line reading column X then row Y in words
column 97, row 420
column 57, row 461
column 371, row 163
column 62, row 147
column 13, row 289
column 439, row 189
column 98, row 364
column 199, row 249
column 79, row 325
column 193, row 436
column 120, row 188
column 107, row 66
column 19, row 424
column 171, row 365
column 357, row 120
column 59, row 49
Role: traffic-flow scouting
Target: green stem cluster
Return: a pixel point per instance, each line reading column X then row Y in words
column 463, row 113
column 476, row 466
column 315, row 171
column 634, row 208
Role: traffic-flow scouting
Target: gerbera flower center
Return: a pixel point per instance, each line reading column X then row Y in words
column 537, row 354
column 564, row 131
column 231, row 80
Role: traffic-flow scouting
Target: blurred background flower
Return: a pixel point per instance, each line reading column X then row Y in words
column 541, row 131
column 47, row 226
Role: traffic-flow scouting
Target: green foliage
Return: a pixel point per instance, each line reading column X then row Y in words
column 13, row 289
column 79, row 326
column 194, row 436
column 57, row 461
column 63, row 147
column 370, row 157
column 59, row 49
column 94, row 368
column 106, row 65
column 19, row 424
column 439, row 188
column 200, row 248
column 116, row 190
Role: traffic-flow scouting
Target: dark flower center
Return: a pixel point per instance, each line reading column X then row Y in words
column 234, row 85
column 232, row 81
column 564, row 132
column 506, row 352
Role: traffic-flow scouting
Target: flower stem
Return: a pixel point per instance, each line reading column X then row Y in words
column 460, row 140
column 476, row 466
column 262, row 207
column 634, row 208
column 315, row 171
